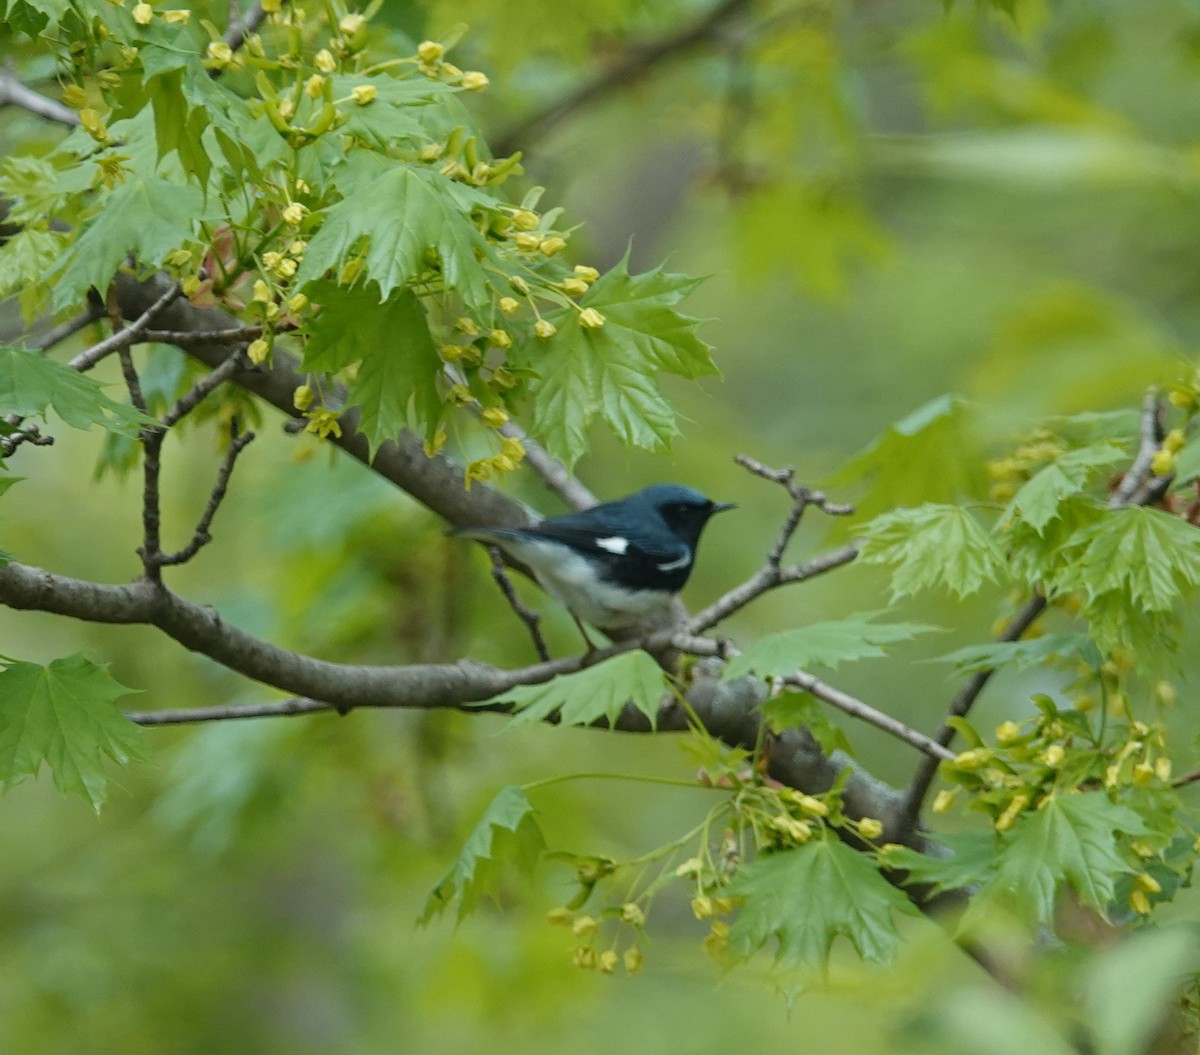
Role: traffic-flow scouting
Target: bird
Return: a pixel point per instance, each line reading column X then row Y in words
column 617, row 563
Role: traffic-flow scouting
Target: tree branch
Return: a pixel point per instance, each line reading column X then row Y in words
column 13, row 92
column 527, row 616
column 122, row 337
column 636, row 62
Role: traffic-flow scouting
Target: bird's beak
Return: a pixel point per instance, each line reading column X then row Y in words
column 720, row 507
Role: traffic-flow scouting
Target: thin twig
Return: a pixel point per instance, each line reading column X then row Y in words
column 187, row 715
column 856, row 708
column 152, row 437
column 527, row 616
column 240, row 28
column 201, row 536
column 94, row 311
column 13, row 92
column 230, row 335
column 1150, row 438
column 637, row 61
column 553, row 473
column 196, row 394
column 123, row 337
column 26, row 432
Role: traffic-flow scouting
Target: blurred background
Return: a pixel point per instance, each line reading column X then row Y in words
column 893, row 201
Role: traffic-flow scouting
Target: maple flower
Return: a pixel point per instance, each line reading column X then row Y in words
column 591, row 319
column 475, row 81
column 142, row 14
column 364, row 94
column 544, row 329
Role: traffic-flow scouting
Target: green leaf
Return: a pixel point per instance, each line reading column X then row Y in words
column 179, row 126
column 1038, row 500
column 148, row 217
column 933, row 545
column 29, row 383
column 398, row 216
column 1020, row 655
column 1068, row 841
column 992, row 1022
column 1146, row 555
column 7, row 481
column 929, row 456
column 791, row 710
column 590, row 694
column 390, row 342
column 971, row 859
column 63, row 715
column 820, row 644
column 507, row 832
column 610, row 373
column 804, row 898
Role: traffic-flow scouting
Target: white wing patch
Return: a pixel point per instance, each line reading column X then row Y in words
column 615, row 544
column 678, row 562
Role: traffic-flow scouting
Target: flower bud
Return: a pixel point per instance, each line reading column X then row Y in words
column 1163, row 463
column 507, row 305
column 475, row 81
column 430, row 51
column 607, row 961
column 324, row 61
column 553, row 244
column 74, row 96
column 142, row 14
column 528, row 242
column 303, row 396
column 500, row 338
column 1175, row 441
column 944, row 800
column 870, row 828
column 588, row 274
column 584, row 925
column 177, row 16
column 495, row 416
column 544, row 329
column 294, row 214
column 314, row 86
column 363, row 94
column 257, row 350
column 526, row 219
column 1053, row 756
column 591, row 319
column 219, row 54
column 1007, row 732
column 297, row 302
column 632, row 913
column 574, row 287
column 634, row 960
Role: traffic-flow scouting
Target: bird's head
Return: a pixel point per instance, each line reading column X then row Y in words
column 683, row 509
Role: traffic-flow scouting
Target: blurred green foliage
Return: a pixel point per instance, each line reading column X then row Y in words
column 896, row 202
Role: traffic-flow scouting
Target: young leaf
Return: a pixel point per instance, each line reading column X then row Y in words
column 507, row 832
column 1038, row 500
column 1069, row 840
column 933, row 545
column 1020, row 655
column 146, row 217
column 392, row 344
column 609, row 372
column 926, row 457
column 29, row 383
column 971, row 859
column 1145, row 554
column 63, row 715
column 400, row 215
column 590, row 694
column 804, row 898
column 820, row 644
column 790, row 710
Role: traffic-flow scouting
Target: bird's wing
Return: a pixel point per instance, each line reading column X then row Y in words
column 659, row 548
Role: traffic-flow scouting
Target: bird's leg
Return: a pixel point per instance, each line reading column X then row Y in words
column 591, row 645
